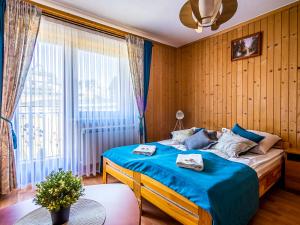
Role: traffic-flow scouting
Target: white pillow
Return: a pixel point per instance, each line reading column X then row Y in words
column 233, row 145
column 226, row 130
column 181, row 135
column 265, row 144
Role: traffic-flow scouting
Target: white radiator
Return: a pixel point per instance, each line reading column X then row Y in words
column 96, row 140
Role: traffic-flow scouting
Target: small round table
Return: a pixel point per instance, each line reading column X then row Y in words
column 119, row 201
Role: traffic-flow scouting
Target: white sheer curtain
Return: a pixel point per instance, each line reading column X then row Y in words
column 78, row 101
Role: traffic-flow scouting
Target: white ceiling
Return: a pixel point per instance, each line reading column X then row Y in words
column 157, row 19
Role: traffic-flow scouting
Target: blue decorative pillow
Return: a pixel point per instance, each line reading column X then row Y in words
column 199, row 140
column 211, row 134
column 237, row 129
column 196, row 130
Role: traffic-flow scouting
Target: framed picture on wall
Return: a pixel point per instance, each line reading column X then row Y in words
column 246, row 47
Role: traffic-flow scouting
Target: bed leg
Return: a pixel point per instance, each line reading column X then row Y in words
column 204, row 217
column 137, row 188
column 282, row 178
column 104, row 175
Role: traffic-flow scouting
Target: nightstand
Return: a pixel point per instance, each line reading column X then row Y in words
column 292, row 169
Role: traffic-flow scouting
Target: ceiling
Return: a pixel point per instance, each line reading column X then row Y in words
column 158, row 19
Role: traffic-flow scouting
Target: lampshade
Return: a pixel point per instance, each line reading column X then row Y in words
column 208, row 10
column 179, row 115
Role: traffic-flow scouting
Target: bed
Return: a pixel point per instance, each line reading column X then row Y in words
column 268, row 168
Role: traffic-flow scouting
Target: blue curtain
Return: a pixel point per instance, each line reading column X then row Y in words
column 147, row 66
column 2, row 10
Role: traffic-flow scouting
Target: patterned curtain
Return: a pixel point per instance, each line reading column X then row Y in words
column 135, row 47
column 20, row 33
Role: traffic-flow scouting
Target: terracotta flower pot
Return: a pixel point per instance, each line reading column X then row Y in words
column 61, row 216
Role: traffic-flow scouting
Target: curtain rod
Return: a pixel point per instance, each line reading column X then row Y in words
column 83, row 26
column 79, row 21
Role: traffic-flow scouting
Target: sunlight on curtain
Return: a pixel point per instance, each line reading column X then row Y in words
column 78, row 101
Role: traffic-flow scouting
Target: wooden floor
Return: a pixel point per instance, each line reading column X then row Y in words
column 278, row 207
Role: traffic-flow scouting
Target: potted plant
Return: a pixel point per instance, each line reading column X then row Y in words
column 57, row 193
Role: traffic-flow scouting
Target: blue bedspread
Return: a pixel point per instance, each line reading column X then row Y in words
column 226, row 189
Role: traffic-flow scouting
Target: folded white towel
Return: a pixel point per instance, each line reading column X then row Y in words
column 190, row 161
column 145, row 150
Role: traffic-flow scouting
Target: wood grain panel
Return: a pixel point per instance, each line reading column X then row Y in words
column 161, row 106
column 293, row 75
column 277, row 72
column 261, row 93
column 284, row 99
column 250, row 84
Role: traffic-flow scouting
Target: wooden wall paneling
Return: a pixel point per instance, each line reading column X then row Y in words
column 170, row 77
column 261, row 93
column 270, row 74
column 196, row 87
column 293, row 76
column 207, row 84
column 284, row 117
column 178, row 84
column 277, row 73
column 250, row 83
column 191, row 89
column 173, row 78
column 172, row 94
column 229, row 81
column 239, row 85
column 168, row 104
column 219, row 82
column 183, row 82
column 298, row 86
column 257, row 85
column 201, row 60
column 163, row 85
column 190, row 77
column 157, row 94
column 211, row 83
column 198, row 79
column 224, row 79
column 245, row 83
column 234, row 84
column 198, row 70
column 263, row 75
column 160, row 113
column 215, row 82
column 187, row 80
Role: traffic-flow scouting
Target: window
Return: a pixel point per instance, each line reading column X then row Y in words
column 77, row 102
column 108, row 97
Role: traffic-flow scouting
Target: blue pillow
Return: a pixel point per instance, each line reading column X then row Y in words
column 211, row 134
column 197, row 130
column 237, row 129
column 199, row 140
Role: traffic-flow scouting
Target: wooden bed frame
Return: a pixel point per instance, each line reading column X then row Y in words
column 169, row 201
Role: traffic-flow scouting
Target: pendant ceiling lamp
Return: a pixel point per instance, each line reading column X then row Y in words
column 197, row 14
